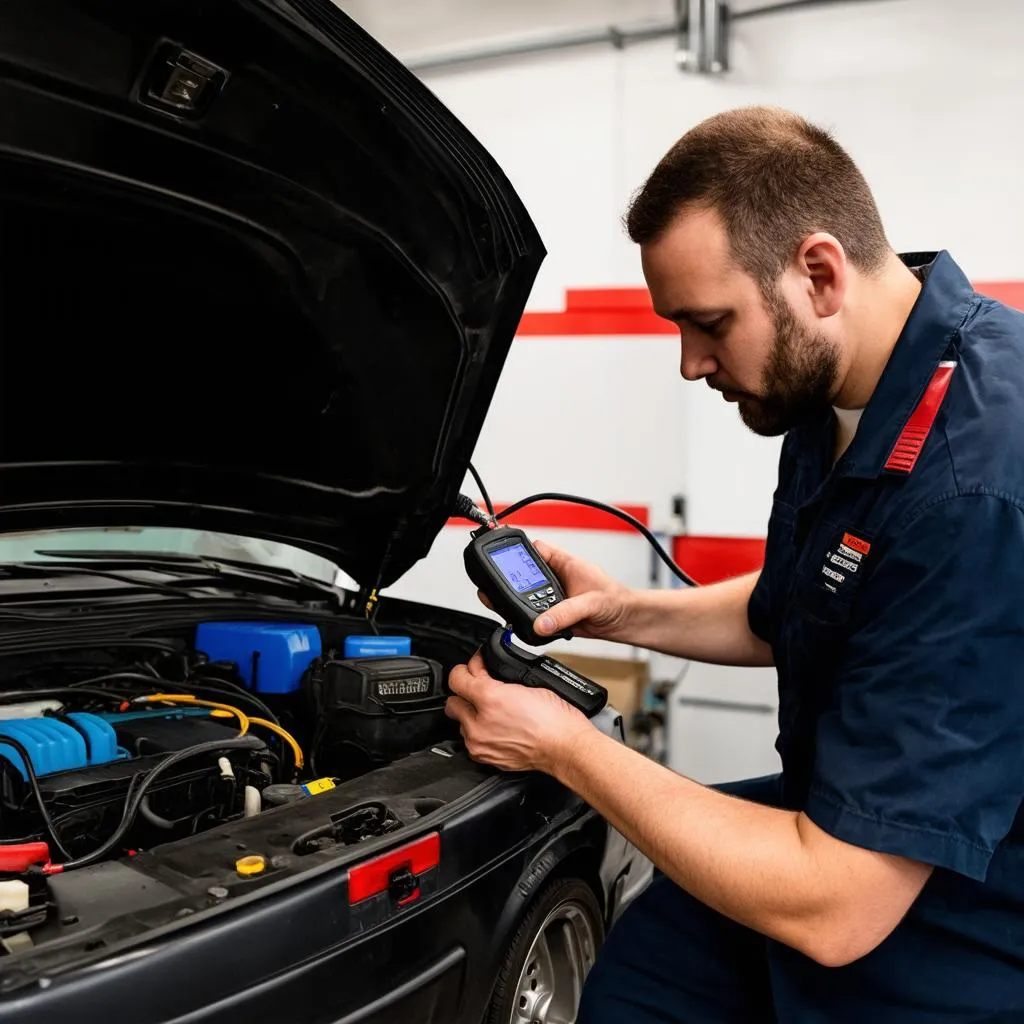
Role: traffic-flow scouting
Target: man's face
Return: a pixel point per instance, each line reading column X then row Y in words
column 778, row 369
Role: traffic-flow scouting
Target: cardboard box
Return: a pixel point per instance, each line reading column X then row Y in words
column 623, row 678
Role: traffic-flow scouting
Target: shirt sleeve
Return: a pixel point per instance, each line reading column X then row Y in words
column 758, row 608
column 921, row 752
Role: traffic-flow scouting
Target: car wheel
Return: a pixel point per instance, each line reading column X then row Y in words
column 541, row 978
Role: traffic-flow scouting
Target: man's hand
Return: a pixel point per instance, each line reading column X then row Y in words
column 595, row 605
column 515, row 728
column 708, row 623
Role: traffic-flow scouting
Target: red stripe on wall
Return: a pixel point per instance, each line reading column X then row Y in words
column 710, row 559
column 565, row 516
column 607, row 311
column 706, row 559
column 614, row 312
column 1010, row 292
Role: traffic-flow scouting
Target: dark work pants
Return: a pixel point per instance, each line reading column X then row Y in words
column 672, row 960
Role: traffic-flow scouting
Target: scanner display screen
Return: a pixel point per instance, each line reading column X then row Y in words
column 516, row 565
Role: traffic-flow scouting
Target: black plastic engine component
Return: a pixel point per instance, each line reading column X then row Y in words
column 281, row 793
column 87, row 804
column 161, row 732
column 352, row 826
column 371, row 711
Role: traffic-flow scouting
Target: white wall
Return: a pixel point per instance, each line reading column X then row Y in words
column 599, row 417
column 925, row 94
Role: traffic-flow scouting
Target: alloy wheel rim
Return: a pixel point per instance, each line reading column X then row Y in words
column 560, row 957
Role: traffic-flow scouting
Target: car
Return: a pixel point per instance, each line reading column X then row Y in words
column 257, row 287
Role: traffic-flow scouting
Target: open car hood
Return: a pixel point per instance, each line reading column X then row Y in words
column 254, row 278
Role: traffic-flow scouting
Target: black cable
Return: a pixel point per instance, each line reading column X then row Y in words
column 208, row 684
column 467, row 508
column 111, row 677
column 155, row 819
column 7, row 696
column 214, row 684
column 611, row 510
column 483, row 490
column 44, row 813
column 135, row 798
column 225, row 688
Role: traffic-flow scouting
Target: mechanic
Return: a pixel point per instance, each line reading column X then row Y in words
column 880, row 877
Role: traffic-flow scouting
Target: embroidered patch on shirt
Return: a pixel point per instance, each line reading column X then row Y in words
column 842, row 561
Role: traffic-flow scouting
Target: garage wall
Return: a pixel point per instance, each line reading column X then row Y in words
column 923, row 93
column 924, row 96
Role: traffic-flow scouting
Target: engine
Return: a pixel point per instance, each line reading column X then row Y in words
column 108, row 753
column 86, row 763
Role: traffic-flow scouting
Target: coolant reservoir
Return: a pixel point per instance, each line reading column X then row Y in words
column 13, row 896
column 28, row 709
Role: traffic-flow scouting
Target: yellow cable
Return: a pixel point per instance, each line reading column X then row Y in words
column 285, row 735
column 244, row 720
column 187, row 698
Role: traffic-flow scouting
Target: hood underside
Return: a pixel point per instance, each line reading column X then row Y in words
column 254, row 278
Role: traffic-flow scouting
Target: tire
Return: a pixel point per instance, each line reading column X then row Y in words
column 541, row 976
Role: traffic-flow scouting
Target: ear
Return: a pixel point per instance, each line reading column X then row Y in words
column 824, row 272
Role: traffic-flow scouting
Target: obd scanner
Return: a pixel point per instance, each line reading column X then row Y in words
column 512, row 664
column 521, row 586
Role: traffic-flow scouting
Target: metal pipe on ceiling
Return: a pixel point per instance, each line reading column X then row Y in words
column 619, row 37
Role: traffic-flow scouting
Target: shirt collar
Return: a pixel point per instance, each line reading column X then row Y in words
column 939, row 312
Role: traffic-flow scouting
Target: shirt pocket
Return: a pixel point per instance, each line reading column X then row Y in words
column 828, row 581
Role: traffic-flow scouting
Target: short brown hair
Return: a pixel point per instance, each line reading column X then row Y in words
column 774, row 179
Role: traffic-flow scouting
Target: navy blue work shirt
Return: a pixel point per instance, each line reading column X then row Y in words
column 892, row 595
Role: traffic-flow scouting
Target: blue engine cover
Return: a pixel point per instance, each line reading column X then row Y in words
column 56, row 746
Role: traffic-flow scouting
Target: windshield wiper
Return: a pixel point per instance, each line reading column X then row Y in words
column 25, row 570
column 192, row 569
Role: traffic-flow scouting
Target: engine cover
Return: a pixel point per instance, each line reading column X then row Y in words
column 60, row 744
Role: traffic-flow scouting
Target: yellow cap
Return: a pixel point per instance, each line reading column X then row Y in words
column 252, row 865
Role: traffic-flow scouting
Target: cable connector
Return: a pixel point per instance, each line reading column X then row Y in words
column 468, row 509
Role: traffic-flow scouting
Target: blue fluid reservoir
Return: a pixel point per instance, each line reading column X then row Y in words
column 271, row 656
column 377, row 646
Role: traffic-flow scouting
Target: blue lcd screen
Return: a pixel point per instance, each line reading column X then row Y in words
column 516, row 565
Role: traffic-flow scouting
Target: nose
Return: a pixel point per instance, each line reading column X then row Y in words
column 695, row 362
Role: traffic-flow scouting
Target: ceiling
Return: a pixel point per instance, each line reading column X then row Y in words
column 418, row 30
column 413, row 28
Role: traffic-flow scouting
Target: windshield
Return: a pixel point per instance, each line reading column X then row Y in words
column 25, row 547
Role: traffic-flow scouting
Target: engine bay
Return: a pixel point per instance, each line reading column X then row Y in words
column 110, row 752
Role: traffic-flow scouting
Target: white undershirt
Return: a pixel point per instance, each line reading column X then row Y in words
column 847, row 421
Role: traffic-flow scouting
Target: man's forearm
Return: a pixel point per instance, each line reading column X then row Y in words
column 699, row 623
column 747, row 861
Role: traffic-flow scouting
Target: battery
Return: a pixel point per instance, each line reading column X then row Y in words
column 372, row 711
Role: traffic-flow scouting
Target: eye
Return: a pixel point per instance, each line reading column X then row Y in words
column 712, row 327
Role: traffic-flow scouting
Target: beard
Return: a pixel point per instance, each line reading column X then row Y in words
column 798, row 380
